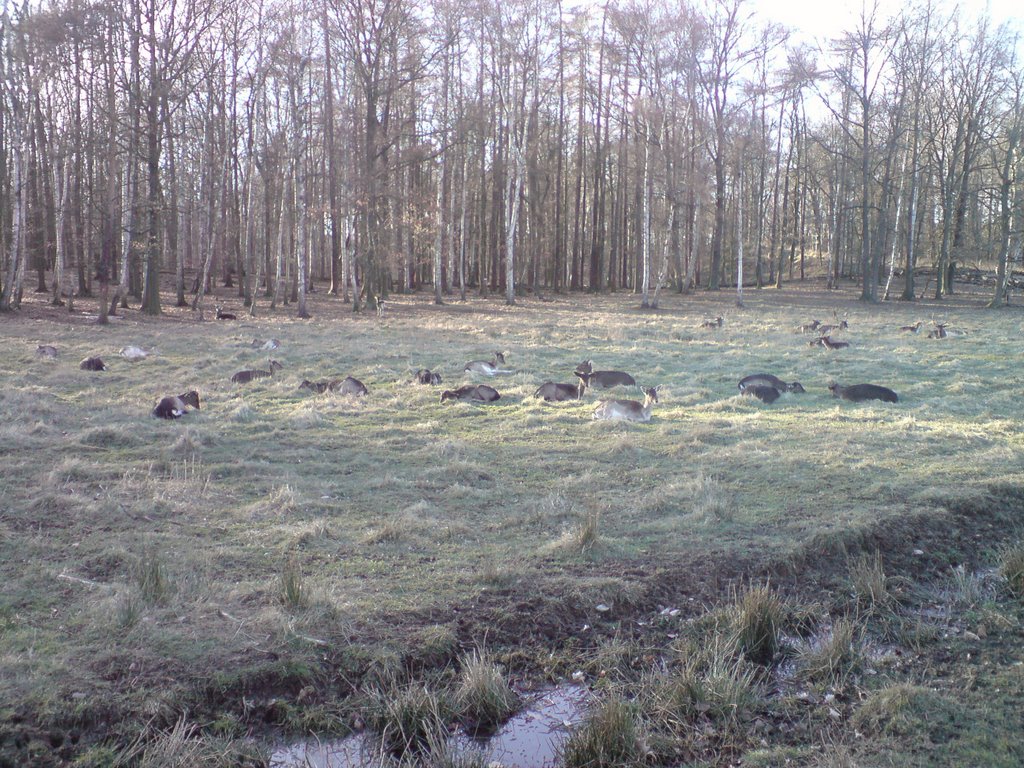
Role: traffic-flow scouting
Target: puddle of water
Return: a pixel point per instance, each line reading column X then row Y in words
column 529, row 740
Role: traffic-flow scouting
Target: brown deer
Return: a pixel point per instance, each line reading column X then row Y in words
column 175, row 407
column 713, row 323
column 244, row 377
column 767, row 380
column 605, row 379
column 858, row 393
column 828, row 343
column 939, row 332
column 627, row 410
column 809, row 327
column 825, row 330
column 911, row 328
column 480, row 393
column 557, row 393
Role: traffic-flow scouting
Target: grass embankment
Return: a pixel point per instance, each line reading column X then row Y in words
column 264, row 557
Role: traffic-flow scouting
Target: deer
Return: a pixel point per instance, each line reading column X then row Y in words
column 858, row 393
column 488, row 368
column 244, row 377
column 480, row 393
column 133, row 354
column 222, row 315
column 828, row 343
column 713, row 323
column 268, row 345
column 809, row 327
column 92, row 364
column 767, row 380
column 627, row 410
column 911, row 328
column 552, row 392
column 763, row 392
column 175, row 407
column 939, row 332
column 351, row 386
column 825, row 330
column 426, row 376
column 605, row 379
column 47, row 351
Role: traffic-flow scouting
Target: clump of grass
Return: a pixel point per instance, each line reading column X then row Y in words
column 435, row 645
column 588, row 533
column 901, row 709
column 1011, row 567
column 408, row 719
column 127, row 610
column 966, row 589
column 713, row 684
column 184, row 745
column 483, row 697
column 610, row 736
column 151, row 578
column 872, row 588
column 709, row 500
column 836, row 658
column 294, row 593
column 757, row 616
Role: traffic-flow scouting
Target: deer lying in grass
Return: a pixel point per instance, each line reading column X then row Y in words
column 911, row 328
column 46, row 350
column 713, row 323
column 627, row 410
column 222, row 315
column 939, row 332
column 244, row 377
column 828, row 343
column 347, row 386
column 488, row 368
column 553, row 392
column 92, row 364
column 175, row 407
column 767, row 380
column 605, row 379
column 480, row 393
column 809, row 327
column 763, row 392
column 858, row 393
column 133, row 354
column 268, row 345
column 426, row 376
column 825, row 330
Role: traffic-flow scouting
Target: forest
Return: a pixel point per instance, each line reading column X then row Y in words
column 365, row 147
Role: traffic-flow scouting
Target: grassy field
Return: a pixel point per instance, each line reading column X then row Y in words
column 266, row 561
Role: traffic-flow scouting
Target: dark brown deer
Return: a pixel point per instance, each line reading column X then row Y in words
column 553, row 392
column 939, row 332
column 426, row 376
column 828, row 343
column 627, row 410
column 222, row 315
column 92, row 364
column 244, row 377
column 480, row 393
column 767, row 380
column 605, row 379
column 176, row 407
column 763, row 392
column 858, row 393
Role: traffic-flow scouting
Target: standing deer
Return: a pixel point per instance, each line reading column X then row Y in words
column 627, row 410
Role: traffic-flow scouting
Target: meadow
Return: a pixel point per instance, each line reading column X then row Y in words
column 265, row 562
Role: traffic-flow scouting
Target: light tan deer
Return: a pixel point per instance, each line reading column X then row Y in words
column 627, row 410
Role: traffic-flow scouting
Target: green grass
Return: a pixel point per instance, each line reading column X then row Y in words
column 130, row 543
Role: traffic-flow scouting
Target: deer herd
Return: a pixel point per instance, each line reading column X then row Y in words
column 765, row 387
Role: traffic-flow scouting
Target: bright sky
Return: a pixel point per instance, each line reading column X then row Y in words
column 820, row 19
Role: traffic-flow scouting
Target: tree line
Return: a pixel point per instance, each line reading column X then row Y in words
column 365, row 147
